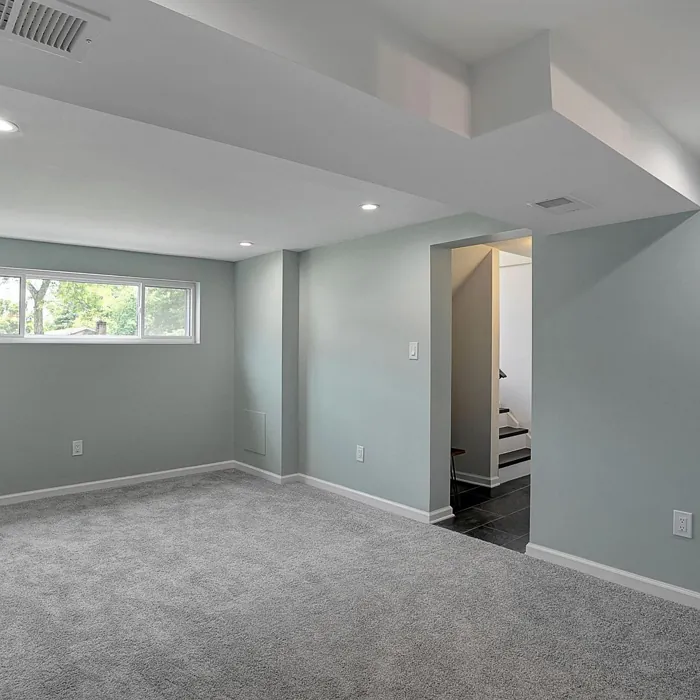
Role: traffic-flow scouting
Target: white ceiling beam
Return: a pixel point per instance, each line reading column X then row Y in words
column 351, row 42
column 590, row 98
column 546, row 74
column 183, row 76
column 511, row 86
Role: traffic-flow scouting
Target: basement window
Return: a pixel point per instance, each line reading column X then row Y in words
column 57, row 307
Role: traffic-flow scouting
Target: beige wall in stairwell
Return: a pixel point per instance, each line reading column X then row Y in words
column 465, row 261
column 475, row 336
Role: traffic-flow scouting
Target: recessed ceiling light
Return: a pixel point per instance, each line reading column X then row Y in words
column 370, row 207
column 8, row 127
column 246, row 244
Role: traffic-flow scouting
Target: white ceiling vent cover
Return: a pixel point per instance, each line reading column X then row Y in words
column 5, row 10
column 56, row 26
column 561, row 205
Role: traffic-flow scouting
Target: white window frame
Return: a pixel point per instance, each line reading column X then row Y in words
column 23, row 274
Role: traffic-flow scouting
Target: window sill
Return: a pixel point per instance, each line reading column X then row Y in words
column 92, row 340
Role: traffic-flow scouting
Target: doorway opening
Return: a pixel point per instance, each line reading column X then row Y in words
column 492, row 392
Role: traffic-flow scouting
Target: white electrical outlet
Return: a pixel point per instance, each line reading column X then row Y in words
column 360, row 453
column 682, row 524
column 77, row 448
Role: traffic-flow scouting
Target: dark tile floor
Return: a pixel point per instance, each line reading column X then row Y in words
column 500, row 516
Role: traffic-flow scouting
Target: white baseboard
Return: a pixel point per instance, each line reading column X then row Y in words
column 116, row 483
column 437, row 516
column 478, row 480
column 422, row 516
column 515, row 471
column 667, row 591
column 264, row 474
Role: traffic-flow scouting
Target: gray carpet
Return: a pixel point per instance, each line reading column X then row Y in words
column 224, row 586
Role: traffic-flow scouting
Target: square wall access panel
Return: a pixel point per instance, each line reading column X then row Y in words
column 255, row 432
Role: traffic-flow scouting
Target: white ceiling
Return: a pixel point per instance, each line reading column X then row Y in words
column 655, row 55
column 506, row 259
column 518, row 247
column 649, row 47
column 156, row 143
column 475, row 29
column 79, row 176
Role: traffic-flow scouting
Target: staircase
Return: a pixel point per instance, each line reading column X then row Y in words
column 514, row 446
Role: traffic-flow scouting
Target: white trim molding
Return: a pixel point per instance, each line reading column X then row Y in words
column 421, row 516
column 264, row 473
column 660, row 589
column 478, row 480
column 437, row 516
column 515, row 471
column 116, row 483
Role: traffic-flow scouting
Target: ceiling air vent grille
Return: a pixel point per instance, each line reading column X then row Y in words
column 49, row 27
column 56, row 26
column 561, row 205
column 5, row 10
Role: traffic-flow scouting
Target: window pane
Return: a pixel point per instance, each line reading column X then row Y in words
column 56, row 308
column 9, row 305
column 167, row 311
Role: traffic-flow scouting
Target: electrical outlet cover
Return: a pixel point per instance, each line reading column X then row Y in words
column 682, row 524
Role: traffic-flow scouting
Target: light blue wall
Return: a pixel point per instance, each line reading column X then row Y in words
column 266, row 299
column 290, row 363
column 258, row 357
column 149, row 408
column 616, row 333
column 361, row 303
column 138, row 408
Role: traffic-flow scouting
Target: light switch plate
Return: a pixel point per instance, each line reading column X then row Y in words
column 682, row 524
column 413, row 351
